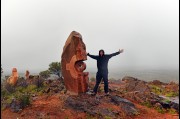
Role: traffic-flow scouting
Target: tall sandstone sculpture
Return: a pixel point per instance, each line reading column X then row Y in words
column 74, row 53
column 13, row 78
column 27, row 74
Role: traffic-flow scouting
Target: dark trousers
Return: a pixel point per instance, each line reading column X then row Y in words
column 99, row 77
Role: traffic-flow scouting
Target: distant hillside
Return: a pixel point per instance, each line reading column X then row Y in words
column 147, row 75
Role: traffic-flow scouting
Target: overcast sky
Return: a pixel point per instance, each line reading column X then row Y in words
column 33, row 32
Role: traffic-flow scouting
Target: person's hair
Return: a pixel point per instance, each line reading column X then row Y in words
column 101, row 51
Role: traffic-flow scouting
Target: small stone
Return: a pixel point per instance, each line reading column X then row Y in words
column 158, row 105
column 48, row 90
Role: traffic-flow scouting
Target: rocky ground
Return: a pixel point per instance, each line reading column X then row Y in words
column 129, row 98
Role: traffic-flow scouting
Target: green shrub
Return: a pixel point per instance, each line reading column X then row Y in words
column 160, row 110
column 31, row 88
column 45, row 74
column 25, row 100
column 166, row 101
column 88, row 116
column 147, row 104
column 4, row 92
column 9, row 99
column 156, row 89
column 107, row 117
column 172, row 111
column 20, row 89
column 55, row 68
column 10, row 88
column 92, row 79
column 172, row 94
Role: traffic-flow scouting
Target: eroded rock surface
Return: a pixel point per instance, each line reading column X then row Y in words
column 134, row 84
column 13, row 78
column 125, row 104
column 27, row 74
column 140, row 91
column 93, row 105
column 74, row 53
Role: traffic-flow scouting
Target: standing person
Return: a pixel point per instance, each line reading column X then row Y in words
column 102, row 65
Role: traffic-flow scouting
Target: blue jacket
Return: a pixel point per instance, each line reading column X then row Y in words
column 102, row 61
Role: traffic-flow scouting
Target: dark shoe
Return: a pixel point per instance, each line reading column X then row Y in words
column 107, row 94
column 93, row 93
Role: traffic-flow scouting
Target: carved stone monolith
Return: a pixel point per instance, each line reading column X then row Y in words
column 74, row 53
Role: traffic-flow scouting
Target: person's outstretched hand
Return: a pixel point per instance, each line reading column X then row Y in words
column 121, row 50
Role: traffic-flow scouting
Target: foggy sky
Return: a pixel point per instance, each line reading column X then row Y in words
column 33, row 32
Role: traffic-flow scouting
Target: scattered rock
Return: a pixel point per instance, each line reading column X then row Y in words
column 56, row 90
column 47, row 90
column 133, row 84
column 90, row 105
column 55, row 86
column 139, row 91
column 156, row 82
column 22, row 82
column 34, row 98
column 165, row 105
column 33, row 95
column 174, row 106
column 158, row 105
column 125, row 104
column 107, row 112
column 128, row 79
column 15, row 106
column 172, row 86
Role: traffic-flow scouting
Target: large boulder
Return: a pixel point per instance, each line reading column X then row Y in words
column 82, row 104
column 127, row 106
column 156, row 82
column 140, row 91
column 54, row 86
column 134, row 84
column 118, row 107
column 172, row 86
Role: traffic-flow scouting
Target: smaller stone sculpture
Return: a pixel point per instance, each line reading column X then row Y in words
column 13, row 78
column 27, row 74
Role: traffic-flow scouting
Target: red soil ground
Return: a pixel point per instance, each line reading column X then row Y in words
column 51, row 107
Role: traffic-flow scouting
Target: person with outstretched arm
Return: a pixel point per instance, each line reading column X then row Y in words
column 102, row 65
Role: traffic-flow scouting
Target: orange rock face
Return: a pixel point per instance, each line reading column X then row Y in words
column 13, row 79
column 74, row 53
